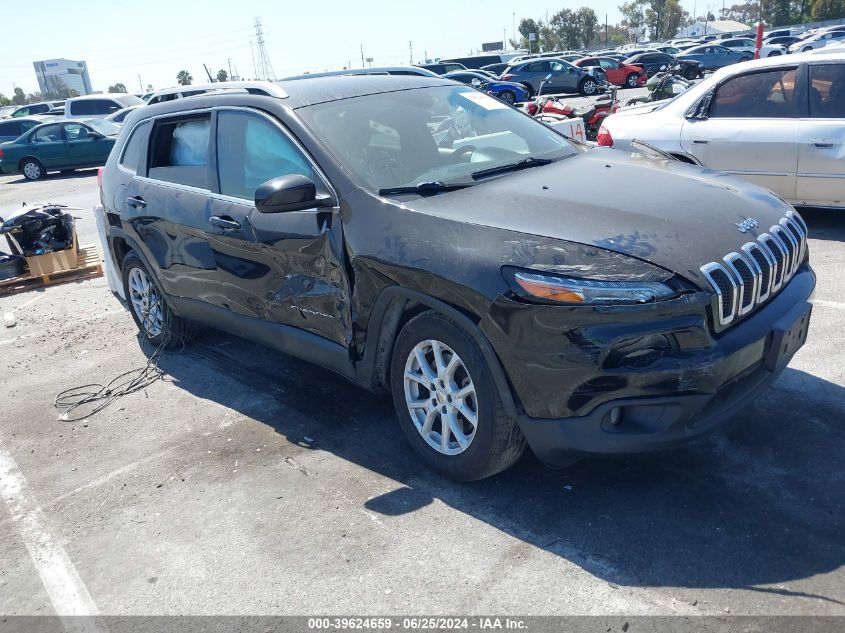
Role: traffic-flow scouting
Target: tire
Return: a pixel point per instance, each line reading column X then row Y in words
column 690, row 73
column 32, row 169
column 160, row 329
column 529, row 90
column 631, row 80
column 806, row 49
column 507, row 96
column 588, row 87
column 744, row 59
column 773, row 54
column 493, row 444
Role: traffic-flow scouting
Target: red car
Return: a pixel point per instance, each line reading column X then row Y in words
column 618, row 73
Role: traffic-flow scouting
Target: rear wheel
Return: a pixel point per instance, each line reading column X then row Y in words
column 631, row 80
column 32, row 169
column 447, row 403
column 745, row 59
column 146, row 301
column 690, row 73
column 508, row 96
column 773, row 54
column 588, row 87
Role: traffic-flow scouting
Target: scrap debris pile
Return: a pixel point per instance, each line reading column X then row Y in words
column 39, row 229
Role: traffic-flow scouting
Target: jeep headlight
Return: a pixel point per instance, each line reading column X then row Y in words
column 576, row 291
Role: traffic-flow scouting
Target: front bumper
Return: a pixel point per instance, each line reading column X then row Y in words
column 568, row 392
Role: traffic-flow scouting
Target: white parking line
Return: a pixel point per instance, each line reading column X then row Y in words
column 65, row 588
column 830, row 304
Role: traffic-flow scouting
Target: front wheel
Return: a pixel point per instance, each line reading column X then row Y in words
column 32, row 169
column 631, row 80
column 773, row 54
column 690, row 73
column 149, row 310
column 447, row 403
column 508, row 96
column 588, row 87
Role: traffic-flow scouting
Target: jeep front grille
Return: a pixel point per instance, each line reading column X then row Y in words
column 746, row 278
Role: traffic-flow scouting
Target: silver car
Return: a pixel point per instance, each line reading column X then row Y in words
column 778, row 122
column 557, row 75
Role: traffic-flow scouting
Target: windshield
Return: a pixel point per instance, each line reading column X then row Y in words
column 444, row 134
column 130, row 100
column 103, row 127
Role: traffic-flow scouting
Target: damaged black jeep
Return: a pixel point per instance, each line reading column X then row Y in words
column 501, row 281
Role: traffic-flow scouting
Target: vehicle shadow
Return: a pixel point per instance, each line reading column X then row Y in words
column 824, row 224
column 759, row 502
column 56, row 175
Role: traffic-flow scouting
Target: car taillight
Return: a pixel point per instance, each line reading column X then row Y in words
column 604, row 139
column 506, row 77
column 1, row 152
column 100, row 177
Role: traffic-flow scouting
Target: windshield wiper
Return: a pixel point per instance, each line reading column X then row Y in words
column 525, row 163
column 425, row 188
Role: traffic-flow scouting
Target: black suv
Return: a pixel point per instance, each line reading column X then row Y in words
column 420, row 236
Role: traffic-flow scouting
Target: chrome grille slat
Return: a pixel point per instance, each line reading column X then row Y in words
column 750, row 276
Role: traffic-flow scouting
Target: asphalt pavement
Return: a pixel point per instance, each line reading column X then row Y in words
column 248, row 482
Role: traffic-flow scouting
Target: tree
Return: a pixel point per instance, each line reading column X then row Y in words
column 526, row 26
column 633, row 18
column 586, row 23
column 184, row 78
column 118, row 87
column 827, row 9
column 4, row 100
column 19, row 98
column 222, row 75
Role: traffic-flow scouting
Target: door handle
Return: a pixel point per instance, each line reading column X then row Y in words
column 136, row 202
column 822, row 143
column 224, row 222
column 699, row 141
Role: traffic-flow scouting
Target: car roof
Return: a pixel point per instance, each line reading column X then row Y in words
column 380, row 70
column 108, row 95
column 781, row 60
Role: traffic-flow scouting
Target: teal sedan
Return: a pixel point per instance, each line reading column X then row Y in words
column 58, row 146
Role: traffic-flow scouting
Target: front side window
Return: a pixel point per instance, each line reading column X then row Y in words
column 251, row 151
column 609, row 64
column 827, row 91
column 445, row 134
column 759, row 95
column 21, row 112
column 47, row 134
column 75, row 131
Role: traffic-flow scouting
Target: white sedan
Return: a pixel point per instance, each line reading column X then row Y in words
column 778, row 122
column 748, row 45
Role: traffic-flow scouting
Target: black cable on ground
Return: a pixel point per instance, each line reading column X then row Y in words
column 100, row 396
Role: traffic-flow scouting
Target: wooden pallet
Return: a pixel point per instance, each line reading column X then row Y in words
column 89, row 266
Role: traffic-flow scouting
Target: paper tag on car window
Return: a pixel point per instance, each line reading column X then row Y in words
column 485, row 101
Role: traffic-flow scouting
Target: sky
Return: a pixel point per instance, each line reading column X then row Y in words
column 155, row 39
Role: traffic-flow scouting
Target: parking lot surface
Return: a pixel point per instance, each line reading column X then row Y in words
column 248, row 482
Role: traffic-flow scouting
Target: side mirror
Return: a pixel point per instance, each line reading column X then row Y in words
column 293, row 192
column 94, row 135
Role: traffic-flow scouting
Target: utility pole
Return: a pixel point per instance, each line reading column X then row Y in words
column 513, row 32
column 252, row 52
column 231, row 74
column 605, row 31
column 411, row 49
column 140, row 83
column 363, row 64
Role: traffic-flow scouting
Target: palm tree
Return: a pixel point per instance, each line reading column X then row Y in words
column 184, row 78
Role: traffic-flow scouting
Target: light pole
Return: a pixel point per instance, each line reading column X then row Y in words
column 513, row 32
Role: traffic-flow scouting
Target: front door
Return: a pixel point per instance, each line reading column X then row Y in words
column 281, row 267
column 82, row 149
column 751, row 130
column 48, row 146
column 821, row 146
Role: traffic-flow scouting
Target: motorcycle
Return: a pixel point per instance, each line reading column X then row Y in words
column 552, row 110
column 665, row 84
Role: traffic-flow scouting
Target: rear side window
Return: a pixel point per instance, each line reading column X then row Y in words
column 179, row 151
column 827, row 91
column 39, row 108
column 251, row 150
column 768, row 94
column 94, row 106
column 136, row 149
column 47, row 134
column 537, row 67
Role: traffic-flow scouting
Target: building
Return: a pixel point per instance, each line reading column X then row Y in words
column 716, row 27
column 57, row 77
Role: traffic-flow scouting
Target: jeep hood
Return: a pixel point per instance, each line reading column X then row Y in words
column 668, row 213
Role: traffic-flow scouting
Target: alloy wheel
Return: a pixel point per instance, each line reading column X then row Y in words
column 145, row 302
column 441, row 397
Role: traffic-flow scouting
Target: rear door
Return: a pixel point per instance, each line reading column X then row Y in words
column 167, row 205
column 821, row 146
column 48, row 146
column 282, row 267
column 82, row 149
column 751, row 129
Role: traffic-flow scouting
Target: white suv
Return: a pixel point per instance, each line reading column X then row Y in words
column 778, row 122
column 99, row 106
